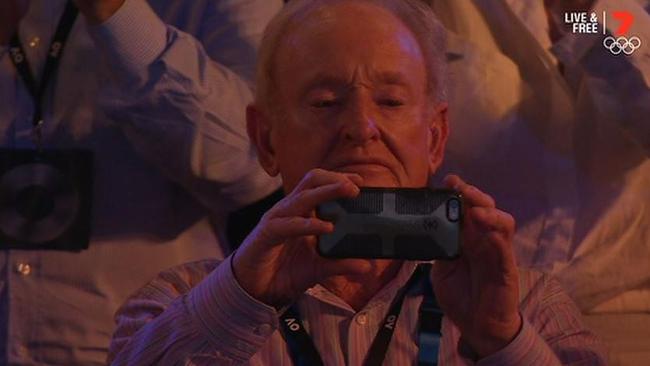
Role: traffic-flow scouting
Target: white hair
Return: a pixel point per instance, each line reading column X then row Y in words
column 415, row 14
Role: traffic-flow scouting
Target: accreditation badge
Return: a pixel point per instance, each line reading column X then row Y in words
column 45, row 198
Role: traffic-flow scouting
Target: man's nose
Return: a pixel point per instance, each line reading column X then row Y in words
column 360, row 125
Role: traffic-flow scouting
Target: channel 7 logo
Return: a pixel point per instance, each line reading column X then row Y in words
column 619, row 42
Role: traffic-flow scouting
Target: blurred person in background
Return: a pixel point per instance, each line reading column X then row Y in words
column 557, row 128
column 156, row 92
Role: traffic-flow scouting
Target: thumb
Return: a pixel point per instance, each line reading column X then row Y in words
column 441, row 270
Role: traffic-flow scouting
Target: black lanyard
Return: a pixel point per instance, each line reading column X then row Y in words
column 55, row 51
column 303, row 352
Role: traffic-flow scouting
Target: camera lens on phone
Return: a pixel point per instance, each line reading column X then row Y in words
column 453, row 210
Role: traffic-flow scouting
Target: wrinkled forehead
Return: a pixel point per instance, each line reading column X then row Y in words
column 330, row 38
column 346, row 21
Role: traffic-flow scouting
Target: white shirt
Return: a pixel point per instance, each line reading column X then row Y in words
column 175, row 151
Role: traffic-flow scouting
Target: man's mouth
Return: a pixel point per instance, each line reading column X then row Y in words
column 360, row 167
column 360, row 164
column 374, row 171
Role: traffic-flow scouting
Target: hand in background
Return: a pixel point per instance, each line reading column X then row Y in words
column 555, row 10
column 479, row 291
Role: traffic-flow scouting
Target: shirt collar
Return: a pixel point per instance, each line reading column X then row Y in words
column 382, row 297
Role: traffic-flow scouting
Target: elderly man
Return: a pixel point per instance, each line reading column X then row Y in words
column 350, row 94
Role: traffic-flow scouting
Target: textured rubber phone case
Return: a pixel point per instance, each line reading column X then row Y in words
column 401, row 223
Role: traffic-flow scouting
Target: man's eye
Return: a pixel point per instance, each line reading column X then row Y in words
column 324, row 103
column 390, row 102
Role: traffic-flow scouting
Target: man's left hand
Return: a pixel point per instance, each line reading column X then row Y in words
column 479, row 292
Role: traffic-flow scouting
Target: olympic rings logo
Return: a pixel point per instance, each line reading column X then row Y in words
column 622, row 44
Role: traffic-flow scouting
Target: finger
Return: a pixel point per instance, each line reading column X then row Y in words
column 472, row 196
column 492, row 219
column 452, row 180
column 318, row 177
column 303, row 203
column 280, row 229
column 492, row 256
column 487, row 239
column 485, row 245
column 355, row 178
column 440, row 270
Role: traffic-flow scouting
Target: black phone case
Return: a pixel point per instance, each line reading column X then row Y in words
column 396, row 223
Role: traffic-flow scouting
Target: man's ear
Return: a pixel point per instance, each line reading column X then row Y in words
column 258, row 126
column 439, row 128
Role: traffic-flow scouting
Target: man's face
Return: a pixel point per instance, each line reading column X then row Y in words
column 352, row 83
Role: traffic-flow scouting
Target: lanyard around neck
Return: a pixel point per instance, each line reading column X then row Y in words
column 303, row 352
column 55, row 51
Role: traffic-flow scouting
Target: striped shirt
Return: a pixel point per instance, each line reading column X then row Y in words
column 197, row 314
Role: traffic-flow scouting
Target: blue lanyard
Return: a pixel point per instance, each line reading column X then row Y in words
column 303, row 352
column 19, row 59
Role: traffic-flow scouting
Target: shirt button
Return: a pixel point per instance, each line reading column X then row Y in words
column 24, row 269
column 361, row 319
column 34, row 42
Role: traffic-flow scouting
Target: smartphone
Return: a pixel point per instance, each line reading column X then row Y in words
column 393, row 223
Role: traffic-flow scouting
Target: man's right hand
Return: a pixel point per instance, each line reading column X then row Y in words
column 278, row 261
column 11, row 12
